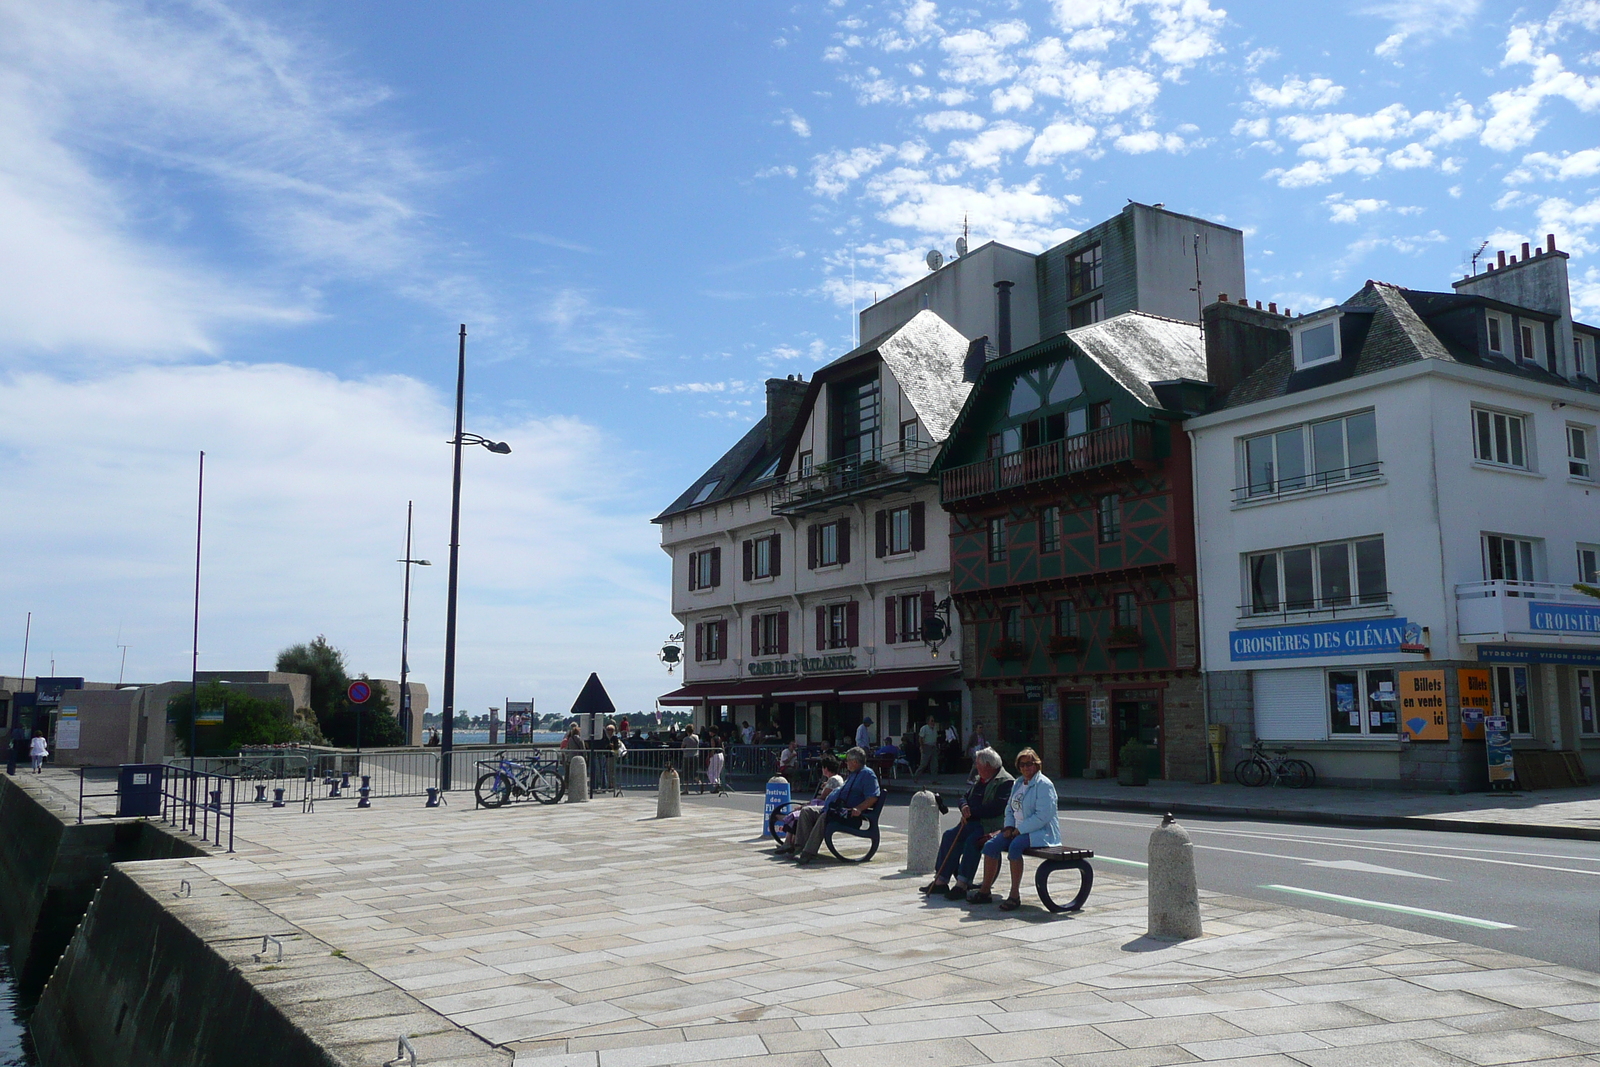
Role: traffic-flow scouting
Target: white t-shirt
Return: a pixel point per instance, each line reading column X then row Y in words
column 749, row 735
column 37, row 747
column 863, row 736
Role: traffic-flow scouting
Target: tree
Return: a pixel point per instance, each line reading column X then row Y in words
column 379, row 727
column 325, row 666
column 246, row 720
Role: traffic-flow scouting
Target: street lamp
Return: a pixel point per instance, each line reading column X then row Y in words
column 405, row 630
column 448, row 708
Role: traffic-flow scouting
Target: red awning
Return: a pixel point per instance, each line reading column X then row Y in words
column 892, row 685
column 730, row 692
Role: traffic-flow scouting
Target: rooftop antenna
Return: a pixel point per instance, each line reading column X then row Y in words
column 855, row 322
column 1476, row 254
column 124, row 666
column 1199, row 296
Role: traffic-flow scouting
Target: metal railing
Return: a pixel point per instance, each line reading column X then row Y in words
column 1500, row 587
column 1330, row 607
column 198, row 802
column 1127, row 442
column 83, row 778
column 890, row 463
column 1314, row 482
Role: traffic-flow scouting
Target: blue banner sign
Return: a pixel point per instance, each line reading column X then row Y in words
column 1564, row 618
column 1360, row 638
column 1572, row 657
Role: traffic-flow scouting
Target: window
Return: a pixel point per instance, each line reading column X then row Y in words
column 1083, row 271
column 1528, row 352
column 1127, row 612
column 1511, row 698
column 1586, row 709
column 705, row 491
column 1499, row 438
column 838, row 625
column 828, row 544
column 1321, row 577
column 1011, row 623
column 1314, row 455
column 1580, row 356
column 1317, row 344
column 857, row 409
column 769, row 634
column 705, row 569
column 1100, row 415
column 997, row 445
column 1086, row 313
column 1509, row 559
column 908, row 617
column 910, row 437
column 1363, row 703
column 902, row 530
column 1577, row 451
column 1495, row 344
column 711, row 640
column 1066, row 618
column 761, row 558
column 1049, row 529
column 805, row 464
column 1108, row 514
column 997, row 540
column 1589, row 564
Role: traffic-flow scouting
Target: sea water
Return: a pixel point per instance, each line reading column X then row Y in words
column 16, row 1050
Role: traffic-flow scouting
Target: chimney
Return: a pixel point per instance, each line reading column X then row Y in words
column 1501, row 257
column 978, row 353
column 1538, row 282
column 1239, row 339
column 784, row 397
column 1002, row 315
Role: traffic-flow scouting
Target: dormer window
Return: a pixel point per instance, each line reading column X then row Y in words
column 1495, row 344
column 1316, row 342
column 705, row 491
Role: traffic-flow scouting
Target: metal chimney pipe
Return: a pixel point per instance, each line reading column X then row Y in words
column 1002, row 293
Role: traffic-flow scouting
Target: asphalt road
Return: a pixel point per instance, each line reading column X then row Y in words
column 1532, row 896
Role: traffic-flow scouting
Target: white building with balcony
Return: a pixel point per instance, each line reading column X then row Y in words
column 805, row 561
column 1394, row 498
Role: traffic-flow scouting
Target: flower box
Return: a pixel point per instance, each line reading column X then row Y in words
column 1009, row 650
column 1124, row 637
column 1060, row 646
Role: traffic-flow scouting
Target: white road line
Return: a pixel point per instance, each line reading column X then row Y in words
column 1339, row 865
column 1447, row 916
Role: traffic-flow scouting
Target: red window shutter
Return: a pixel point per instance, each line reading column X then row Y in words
column 777, row 555
column 844, row 540
column 716, row 567
column 822, row 629
column 928, row 607
column 783, row 633
column 890, row 622
column 755, row 633
column 852, row 624
column 883, row 534
column 919, row 526
column 694, row 572
column 699, row 641
column 749, row 560
column 812, row 534
column 722, row 639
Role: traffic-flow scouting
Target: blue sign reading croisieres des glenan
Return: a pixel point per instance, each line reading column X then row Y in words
column 1563, row 618
column 1359, row 638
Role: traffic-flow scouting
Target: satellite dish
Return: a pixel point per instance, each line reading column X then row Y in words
column 935, row 260
column 961, row 246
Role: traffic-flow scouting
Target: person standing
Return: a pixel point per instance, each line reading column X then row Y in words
column 928, row 738
column 38, row 750
column 864, row 734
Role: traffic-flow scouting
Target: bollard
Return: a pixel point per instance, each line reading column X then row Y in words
column 333, row 790
column 669, row 795
column 778, row 796
column 922, row 834
column 433, row 797
column 366, row 797
column 277, row 798
column 1174, row 891
column 577, row 780
column 344, row 781
column 216, row 800
column 366, row 781
column 261, row 794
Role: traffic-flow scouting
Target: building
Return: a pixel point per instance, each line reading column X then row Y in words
column 804, row 561
column 1394, row 497
column 1067, row 482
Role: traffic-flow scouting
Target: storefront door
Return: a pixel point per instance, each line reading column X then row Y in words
column 1019, row 727
column 1137, row 713
column 1074, row 734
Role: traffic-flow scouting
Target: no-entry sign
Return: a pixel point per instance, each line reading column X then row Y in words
column 359, row 692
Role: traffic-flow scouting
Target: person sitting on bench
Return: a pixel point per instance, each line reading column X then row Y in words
column 1031, row 822
column 859, row 792
column 982, row 813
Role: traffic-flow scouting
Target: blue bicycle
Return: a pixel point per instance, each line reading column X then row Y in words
column 540, row 778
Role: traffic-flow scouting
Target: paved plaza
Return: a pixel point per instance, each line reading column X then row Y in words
column 594, row 935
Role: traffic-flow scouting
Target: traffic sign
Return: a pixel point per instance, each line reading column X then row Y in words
column 359, row 692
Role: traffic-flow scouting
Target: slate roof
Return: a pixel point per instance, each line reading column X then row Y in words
column 1137, row 348
column 736, row 472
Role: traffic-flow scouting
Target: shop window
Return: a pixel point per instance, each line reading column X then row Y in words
column 1363, row 703
column 1019, row 726
column 1049, row 529
column 1586, row 710
column 1511, row 699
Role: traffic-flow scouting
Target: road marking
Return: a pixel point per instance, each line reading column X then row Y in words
column 1370, row 868
column 1113, row 859
column 1451, row 917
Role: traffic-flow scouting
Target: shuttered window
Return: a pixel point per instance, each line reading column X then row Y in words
column 705, row 568
column 761, row 558
column 1290, row 705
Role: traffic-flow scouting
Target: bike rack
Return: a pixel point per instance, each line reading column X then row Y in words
column 405, row 1049
column 259, row 956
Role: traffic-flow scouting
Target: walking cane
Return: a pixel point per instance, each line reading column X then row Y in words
column 939, row 875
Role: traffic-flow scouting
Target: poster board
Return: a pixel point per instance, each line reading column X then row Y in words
column 1497, row 734
column 1477, row 700
column 1422, row 711
column 69, row 729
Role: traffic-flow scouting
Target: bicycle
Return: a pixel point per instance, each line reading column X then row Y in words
column 542, row 778
column 1259, row 768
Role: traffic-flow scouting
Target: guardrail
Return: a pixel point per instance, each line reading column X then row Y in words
column 198, row 802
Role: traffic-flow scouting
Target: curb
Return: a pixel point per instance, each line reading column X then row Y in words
column 1324, row 818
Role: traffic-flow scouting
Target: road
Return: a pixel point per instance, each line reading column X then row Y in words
column 1532, row 896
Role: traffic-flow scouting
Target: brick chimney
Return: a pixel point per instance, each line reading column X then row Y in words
column 1239, row 339
column 784, row 397
column 1537, row 281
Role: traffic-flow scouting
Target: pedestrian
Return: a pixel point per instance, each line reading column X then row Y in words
column 748, row 733
column 38, row 750
column 928, row 739
column 864, row 734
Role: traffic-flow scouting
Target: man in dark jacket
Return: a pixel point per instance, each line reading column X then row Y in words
column 983, row 811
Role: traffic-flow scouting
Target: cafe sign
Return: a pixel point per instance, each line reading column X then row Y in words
column 804, row 665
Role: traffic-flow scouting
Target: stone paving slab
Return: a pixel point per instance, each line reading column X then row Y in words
column 596, row 935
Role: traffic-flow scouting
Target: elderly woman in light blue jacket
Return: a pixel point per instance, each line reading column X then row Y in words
column 1031, row 822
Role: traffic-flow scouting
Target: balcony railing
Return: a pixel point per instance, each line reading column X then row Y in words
column 1314, row 482
column 1129, row 442
column 1335, row 607
column 827, row 482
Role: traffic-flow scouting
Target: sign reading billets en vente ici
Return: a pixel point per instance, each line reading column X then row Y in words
column 1360, row 638
column 808, row 664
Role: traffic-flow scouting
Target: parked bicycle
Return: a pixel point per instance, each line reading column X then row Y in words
column 1260, row 767
column 541, row 777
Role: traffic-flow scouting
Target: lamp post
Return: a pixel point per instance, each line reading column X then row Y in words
column 448, row 706
column 405, row 630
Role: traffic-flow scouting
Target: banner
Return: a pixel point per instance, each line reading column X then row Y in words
column 1477, row 701
column 1422, row 715
column 1497, row 732
column 1363, row 637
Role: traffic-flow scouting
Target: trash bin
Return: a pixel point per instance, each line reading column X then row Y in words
column 138, row 789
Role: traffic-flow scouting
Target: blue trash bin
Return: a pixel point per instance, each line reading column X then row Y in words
column 138, row 789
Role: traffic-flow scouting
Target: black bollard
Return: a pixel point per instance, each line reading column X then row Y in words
column 366, row 797
column 261, row 794
column 277, row 798
column 433, row 797
column 333, row 791
column 344, row 782
column 366, row 781
column 216, row 800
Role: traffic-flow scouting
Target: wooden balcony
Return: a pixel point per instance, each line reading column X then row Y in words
column 1083, row 457
column 888, row 469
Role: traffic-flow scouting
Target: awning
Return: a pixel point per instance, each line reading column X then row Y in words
column 730, row 692
column 891, row 685
column 800, row 689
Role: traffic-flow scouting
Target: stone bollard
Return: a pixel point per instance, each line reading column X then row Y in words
column 1174, row 891
column 577, row 780
column 922, row 834
column 669, row 795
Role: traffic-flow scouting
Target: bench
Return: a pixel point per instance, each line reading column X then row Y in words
column 1057, row 858
column 868, row 830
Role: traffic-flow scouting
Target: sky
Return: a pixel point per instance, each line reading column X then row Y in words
column 255, row 228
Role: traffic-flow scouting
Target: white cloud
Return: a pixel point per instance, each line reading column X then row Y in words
column 983, row 57
column 1298, row 93
column 1332, row 144
column 1424, row 20
column 581, row 325
column 1563, row 167
column 834, row 172
column 1514, row 118
column 1188, row 31
column 1059, row 139
column 307, row 478
column 1573, row 224
column 1149, row 141
column 940, row 121
column 784, row 171
column 799, row 125
column 988, row 148
column 1342, row 210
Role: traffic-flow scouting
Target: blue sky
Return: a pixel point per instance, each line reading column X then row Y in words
column 254, row 227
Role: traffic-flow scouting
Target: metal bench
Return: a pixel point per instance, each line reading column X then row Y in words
column 1057, row 858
